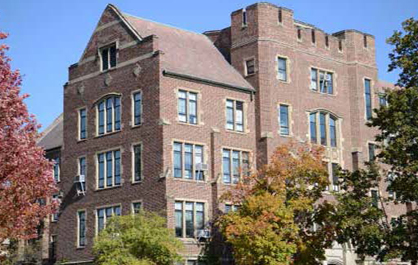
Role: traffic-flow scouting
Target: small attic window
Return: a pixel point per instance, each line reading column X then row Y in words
column 244, row 18
column 340, row 45
column 108, row 56
column 299, row 34
column 280, row 16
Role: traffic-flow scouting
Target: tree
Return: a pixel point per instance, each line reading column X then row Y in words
column 26, row 180
column 398, row 134
column 140, row 239
column 278, row 207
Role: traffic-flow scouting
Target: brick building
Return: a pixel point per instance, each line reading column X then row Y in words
column 160, row 118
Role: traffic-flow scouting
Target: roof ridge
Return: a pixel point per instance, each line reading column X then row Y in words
column 163, row 24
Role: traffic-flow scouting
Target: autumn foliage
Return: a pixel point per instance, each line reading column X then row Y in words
column 278, row 207
column 26, row 180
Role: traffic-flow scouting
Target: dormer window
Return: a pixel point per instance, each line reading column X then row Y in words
column 108, row 57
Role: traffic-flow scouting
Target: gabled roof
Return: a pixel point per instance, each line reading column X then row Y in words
column 52, row 136
column 189, row 55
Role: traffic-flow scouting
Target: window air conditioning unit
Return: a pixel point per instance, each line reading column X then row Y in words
column 203, row 233
column 202, row 167
column 80, row 184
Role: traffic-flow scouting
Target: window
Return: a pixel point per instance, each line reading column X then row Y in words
column 324, row 82
column 137, row 108
column 334, row 177
column 137, row 163
column 250, row 67
column 313, row 36
column 235, row 164
column 108, row 111
column 235, row 115
column 299, row 34
column 231, row 207
column 187, row 106
column 109, row 169
column 57, row 169
column 54, row 217
column 81, row 233
column 372, row 155
column 244, row 18
column 375, row 198
column 103, row 214
column 327, row 136
column 82, row 115
column 368, row 98
column 284, row 119
column 327, row 41
column 383, row 100
column 136, row 207
column 280, row 16
column 108, row 56
column 365, row 41
column 188, row 160
column 82, row 170
column 189, row 216
column 340, row 45
column 282, row 68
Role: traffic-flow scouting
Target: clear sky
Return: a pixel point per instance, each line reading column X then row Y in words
column 47, row 36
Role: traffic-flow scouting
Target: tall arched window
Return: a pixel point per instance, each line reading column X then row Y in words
column 108, row 115
column 323, row 128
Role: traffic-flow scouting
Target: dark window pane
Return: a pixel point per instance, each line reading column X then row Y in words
column 105, row 59
column 189, row 219
column 284, row 120
column 314, row 79
column 109, row 169
column 117, row 113
column 226, row 166
column 112, row 56
column 368, row 98
column 372, row 155
column 101, row 170
column 333, row 131
column 178, row 161
column 188, row 161
column 282, row 69
column 322, row 127
column 109, row 115
column 83, row 124
column 239, row 116
column 229, row 114
column 117, row 167
column 312, row 122
column 179, row 219
column 137, row 163
column 137, row 108
column 101, row 117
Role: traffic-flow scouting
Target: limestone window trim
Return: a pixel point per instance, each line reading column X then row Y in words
column 79, row 139
column 231, row 170
column 96, row 223
column 199, row 111
column 103, row 99
column 205, row 154
column 245, row 106
column 141, row 202
column 133, row 145
column 288, row 68
column 77, row 243
column 108, row 45
column 372, row 96
column 245, row 63
column 133, row 93
column 289, row 116
column 205, row 216
column 318, row 81
column 328, row 115
column 96, row 158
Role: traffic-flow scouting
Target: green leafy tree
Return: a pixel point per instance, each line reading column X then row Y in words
column 140, row 239
column 278, row 207
column 398, row 134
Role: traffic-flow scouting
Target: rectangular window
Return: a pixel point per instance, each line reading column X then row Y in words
column 235, row 115
column 235, row 164
column 108, row 56
column 188, row 160
column 368, row 98
column 313, row 36
column 334, row 175
column 103, row 214
column 375, row 198
column 136, row 207
column 81, row 220
column 189, row 217
column 250, row 67
column 322, row 128
column 372, row 155
column 382, row 100
column 137, row 160
column 82, row 115
column 333, row 131
column 327, row 41
column 231, row 207
column 57, row 169
column 284, row 119
column 187, row 106
column 325, row 81
column 82, row 170
column 280, row 16
column 312, row 126
column 299, row 33
column 54, row 217
column 109, row 114
column 282, row 68
column 109, row 168
column 137, row 110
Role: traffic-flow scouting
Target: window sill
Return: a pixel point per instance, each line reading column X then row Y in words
column 250, row 75
column 108, row 188
column 321, row 93
column 189, row 124
column 109, row 69
column 283, row 81
column 106, row 134
column 188, row 240
column 80, row 248
column 236, row 132
column 136, row 126
column 191, row 180
column 81, row 140
column 137, row 181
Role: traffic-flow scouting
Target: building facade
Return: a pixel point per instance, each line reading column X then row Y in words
column 167, row 120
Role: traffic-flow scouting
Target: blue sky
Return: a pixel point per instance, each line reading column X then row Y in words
column 47, row 36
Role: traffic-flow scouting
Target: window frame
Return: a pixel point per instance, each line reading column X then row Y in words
column 231, row 164
column 108, row 47
column 235, row 123
column 141, row 207
column 187, row 114
column 328, row 116
column 368, row 98
column 183, row 160
column 79, row 169
column 105, row 207
column 317, row 81
column 80, row 138
column 279, row 112
column 104, row 101
column 141, row 177
column 286, row 70
column 141, row 114
column 105, row 166
column 183, row 224
column 78, row 241
column 247, row 73
column 369, row 153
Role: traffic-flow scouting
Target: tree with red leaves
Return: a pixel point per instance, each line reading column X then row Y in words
column 26, row 181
